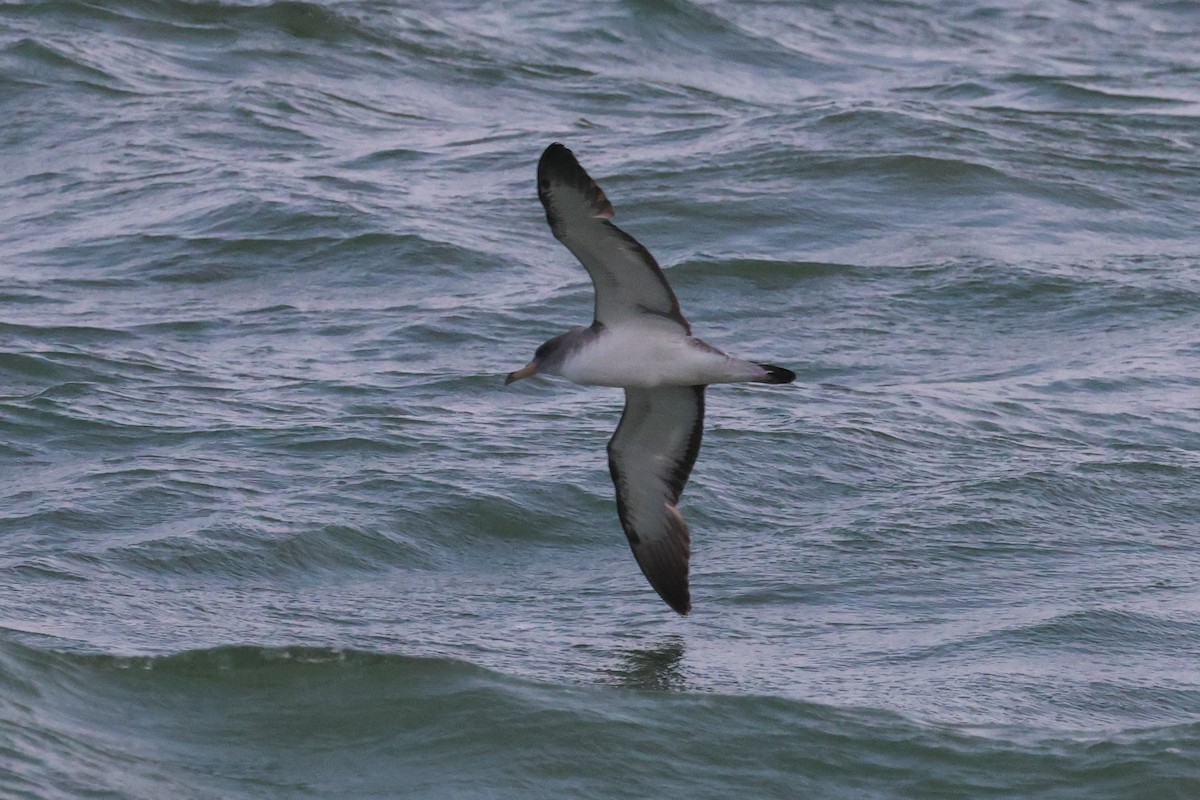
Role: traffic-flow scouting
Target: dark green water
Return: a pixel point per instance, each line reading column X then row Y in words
column 271, row 526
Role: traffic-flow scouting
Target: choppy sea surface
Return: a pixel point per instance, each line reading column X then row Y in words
column 272, row 527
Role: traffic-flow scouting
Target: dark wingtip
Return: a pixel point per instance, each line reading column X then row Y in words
column 681, row 605
column 677, row 596
column 559, row 165
column 556, row 158
column 777, row 374
column 664, row 562
column 671, row 585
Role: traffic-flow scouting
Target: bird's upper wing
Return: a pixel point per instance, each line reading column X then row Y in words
column 628, row 281
column 650, row 458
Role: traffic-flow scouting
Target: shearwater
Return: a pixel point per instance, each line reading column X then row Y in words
column 640, row 342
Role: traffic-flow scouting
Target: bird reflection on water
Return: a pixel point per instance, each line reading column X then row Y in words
column 658, row 667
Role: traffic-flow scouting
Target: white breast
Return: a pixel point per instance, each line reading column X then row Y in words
column 646, row 357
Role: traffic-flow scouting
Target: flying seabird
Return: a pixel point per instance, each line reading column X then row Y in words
column 640, row 342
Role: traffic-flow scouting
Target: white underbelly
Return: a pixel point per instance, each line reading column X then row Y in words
column 649, row 358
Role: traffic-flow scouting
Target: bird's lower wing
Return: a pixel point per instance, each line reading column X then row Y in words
column 650, row 458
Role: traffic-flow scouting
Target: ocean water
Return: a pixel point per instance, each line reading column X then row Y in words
column 272, row 527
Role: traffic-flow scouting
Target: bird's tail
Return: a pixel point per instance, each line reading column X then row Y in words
column 774, row 374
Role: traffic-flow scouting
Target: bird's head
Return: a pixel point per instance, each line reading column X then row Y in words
column 547, row 360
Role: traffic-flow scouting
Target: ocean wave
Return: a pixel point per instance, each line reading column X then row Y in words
column 248, row 553
column 235, row 721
